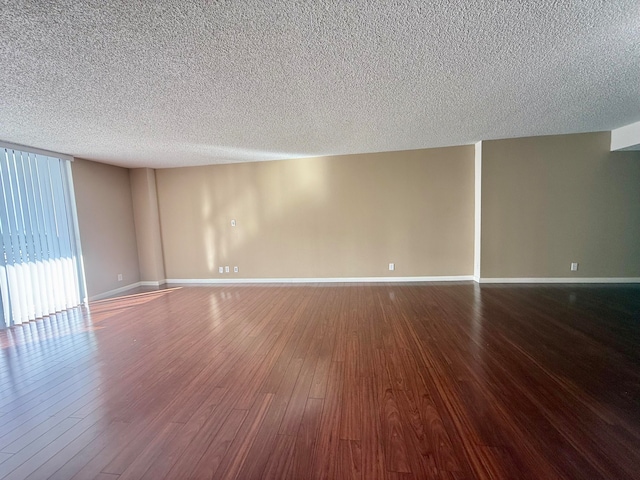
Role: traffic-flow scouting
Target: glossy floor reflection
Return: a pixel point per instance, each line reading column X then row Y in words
column 328, row 381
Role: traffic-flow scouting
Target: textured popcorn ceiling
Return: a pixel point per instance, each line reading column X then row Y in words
column 170, row 83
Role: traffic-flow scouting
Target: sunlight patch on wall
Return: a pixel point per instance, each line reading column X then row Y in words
column 209, row 232
column 224, row 154
column 255, row 196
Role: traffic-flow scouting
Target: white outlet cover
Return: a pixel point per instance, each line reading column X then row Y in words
column 226, row 269
column 392, row 266
column 235, row 269
column 233, row 223
column 220, row 269
column 574, row 266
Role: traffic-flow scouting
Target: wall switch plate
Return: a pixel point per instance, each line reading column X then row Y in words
column 226, row 269
column 220, row 269
column 235, row 269
column 233, row 223
column 392, row 266
column 119, row 277
column 574, row 266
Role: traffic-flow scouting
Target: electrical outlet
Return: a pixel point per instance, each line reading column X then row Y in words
column 574, row 266
column 119, row 277
column 226, row 269
column 235, row 269
column 220, row 269
column 392, row 266
column 233, row 223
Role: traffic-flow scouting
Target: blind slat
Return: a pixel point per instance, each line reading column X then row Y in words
column 40, row 272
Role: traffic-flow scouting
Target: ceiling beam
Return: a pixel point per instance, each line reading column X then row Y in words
column 626, row 138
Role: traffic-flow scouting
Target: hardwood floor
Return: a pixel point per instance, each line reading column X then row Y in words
column 452, row 381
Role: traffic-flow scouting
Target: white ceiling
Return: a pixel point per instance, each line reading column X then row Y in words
column 170, row 83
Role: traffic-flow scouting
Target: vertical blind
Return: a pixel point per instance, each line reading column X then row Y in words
column 40, row 264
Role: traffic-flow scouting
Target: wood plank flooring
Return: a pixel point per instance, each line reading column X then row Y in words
column 373, row 381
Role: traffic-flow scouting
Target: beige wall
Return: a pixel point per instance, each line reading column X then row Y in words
column 107, row 232
column 550, row 201
column 147, row 222
column 546, row 202
column 345, row 216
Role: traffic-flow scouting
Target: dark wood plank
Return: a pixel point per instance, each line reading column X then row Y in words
column 280, row 461
column 306, row 439
column 375, row 381
column 152, row 451
column 56, row 439
column 244, row 439
column 326, row 446
column 265, row 440
column 212, row 457
column 89, row 462
column 371, row 450
column 106, row 476
column 350, row 461
column 87, row 449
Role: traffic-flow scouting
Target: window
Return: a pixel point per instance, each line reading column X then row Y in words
column 40, row 262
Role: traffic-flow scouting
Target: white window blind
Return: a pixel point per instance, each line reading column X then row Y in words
column 40, row 264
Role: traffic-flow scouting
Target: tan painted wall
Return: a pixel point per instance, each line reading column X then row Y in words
column 550, row 201
column 147, row 222
column 345, row 216
column 107, row 232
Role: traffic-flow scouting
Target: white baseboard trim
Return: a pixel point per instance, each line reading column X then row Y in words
column 452, row 278
column 116, row 291
column 152, row 284
column 226, row 281
column 111, row 293
column 563, row 280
